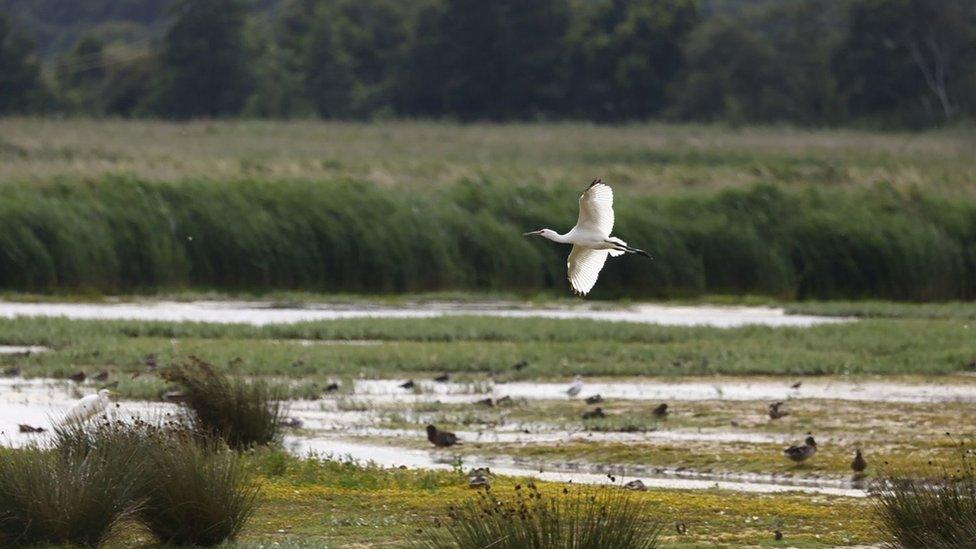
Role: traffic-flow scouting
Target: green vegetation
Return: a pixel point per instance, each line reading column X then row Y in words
column 478, row 346
column 577, row 520
column 199, row 495
column 921, row 514
column 240, row 413
column 98, row 480
column 68, row 496
column 814, row 62
column 309, row 502
column 118, row 235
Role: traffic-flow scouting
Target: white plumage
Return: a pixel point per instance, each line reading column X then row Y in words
column 576, row 387
column 590, row 238
column 89, row 406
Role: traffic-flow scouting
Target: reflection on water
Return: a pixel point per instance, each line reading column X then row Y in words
column 229, row 312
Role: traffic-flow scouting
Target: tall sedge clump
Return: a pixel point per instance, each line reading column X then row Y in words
column 76, row 493
column 199, row 493
column 936, row 514
column 242, row 413
column 580, row 519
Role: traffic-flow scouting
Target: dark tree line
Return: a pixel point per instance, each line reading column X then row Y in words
column 814, row 62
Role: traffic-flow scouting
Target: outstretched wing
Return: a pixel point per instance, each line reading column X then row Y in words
column 596, row 208
column 583, row 268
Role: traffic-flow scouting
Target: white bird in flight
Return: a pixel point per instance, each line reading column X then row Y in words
column 590, row 238
column 90, row 405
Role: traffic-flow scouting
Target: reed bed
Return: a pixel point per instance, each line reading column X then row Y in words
column 118, row 235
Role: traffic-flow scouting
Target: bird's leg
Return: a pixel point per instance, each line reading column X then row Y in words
column 629, row 249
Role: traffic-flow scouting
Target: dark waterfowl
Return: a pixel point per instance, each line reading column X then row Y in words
column 520, row 365
column 291, row 423
column 858, row 464
column 596, row 413
column 407, row 384
column 796, row 385
column 802, row 452
column 479, row 481
column 78, row 377
column 661, row 411
column 485, row 402
column 332, row 387
column 441, row 439
column 636, row 485
column 101, row 376
column 23, row 428
column 505, row 401
column 775, row 412
column 443, row 378
column 595, row 399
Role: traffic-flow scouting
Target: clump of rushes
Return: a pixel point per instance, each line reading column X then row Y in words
column 76, row 494
column 919, row 513
column 199, row 493
column 578, row 519
column 242, row 413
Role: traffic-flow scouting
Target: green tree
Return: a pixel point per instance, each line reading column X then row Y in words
column 328, row 67
column 497, row 60
column 730, row 76
column 128, row 85
column 626, row 53
column 205, row 66
column 21, row 89
column 907, row 58
column 421, row 78
column 81, row 75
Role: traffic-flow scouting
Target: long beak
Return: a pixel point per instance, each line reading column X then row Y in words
column 530, row 233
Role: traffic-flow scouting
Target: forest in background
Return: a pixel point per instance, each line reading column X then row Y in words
column 878, row 63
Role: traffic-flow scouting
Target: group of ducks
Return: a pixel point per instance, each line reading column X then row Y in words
column 802, row 452
column 797, row 453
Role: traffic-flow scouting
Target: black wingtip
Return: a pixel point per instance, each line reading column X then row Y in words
column 596, row 181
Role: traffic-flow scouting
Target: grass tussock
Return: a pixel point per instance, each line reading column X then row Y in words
column 198, row 494
column 533, row 519
column 67, row 496
column 242, row 413
column 916, row 513
column 97, row 477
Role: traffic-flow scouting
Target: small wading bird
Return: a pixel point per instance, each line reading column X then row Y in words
column 661, row 411
column 590, row 238
column 802, row 452
column 594, row 414
column 775, row 412
column 441, row 439
column 576, row 387
column 89, row 406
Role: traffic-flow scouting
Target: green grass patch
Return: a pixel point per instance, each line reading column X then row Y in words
column 475, row 347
